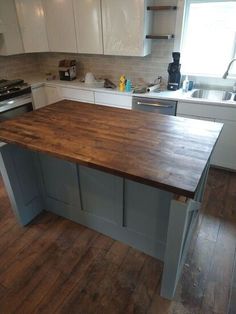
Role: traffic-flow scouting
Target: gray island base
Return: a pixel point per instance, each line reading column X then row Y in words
column 154, row 221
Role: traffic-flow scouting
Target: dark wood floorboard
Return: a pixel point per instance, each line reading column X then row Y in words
column 57, row 266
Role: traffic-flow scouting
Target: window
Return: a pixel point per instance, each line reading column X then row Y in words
column 209, row 37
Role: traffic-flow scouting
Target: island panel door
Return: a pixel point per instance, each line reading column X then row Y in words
column 60, row 182
column 146, row 210
column 101, row 194
column 19, row 172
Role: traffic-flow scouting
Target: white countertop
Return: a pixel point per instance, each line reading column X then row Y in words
column 178, row 95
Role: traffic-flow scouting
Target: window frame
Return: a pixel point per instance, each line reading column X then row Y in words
column 185, row 20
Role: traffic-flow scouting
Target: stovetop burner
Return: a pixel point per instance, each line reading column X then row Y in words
column 13, row 88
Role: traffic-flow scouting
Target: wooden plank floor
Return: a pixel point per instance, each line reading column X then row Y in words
column 57, row 266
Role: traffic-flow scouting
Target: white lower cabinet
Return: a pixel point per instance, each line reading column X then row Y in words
column 206, row 110
column 113, row 100
column 196, row 117
column 45, row 95
column 39, row 97
column 224, row 154
column 77, row 94
column 225, row 150
column 49, row 94
column 53, row 94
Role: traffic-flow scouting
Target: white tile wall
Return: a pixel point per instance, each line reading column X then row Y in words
column 138, row 69
column 18, row 66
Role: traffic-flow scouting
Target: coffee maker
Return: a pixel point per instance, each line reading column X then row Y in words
column 67, row 70
column 174, row 72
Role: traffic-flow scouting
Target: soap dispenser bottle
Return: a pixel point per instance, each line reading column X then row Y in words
column 185, row 84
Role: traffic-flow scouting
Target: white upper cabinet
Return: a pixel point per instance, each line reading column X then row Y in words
column 60, row 25
column 10, row 37
column 125, row 26
column 32, row 24
column 88, row 26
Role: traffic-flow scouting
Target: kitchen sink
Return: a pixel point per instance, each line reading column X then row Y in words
column 212, row 95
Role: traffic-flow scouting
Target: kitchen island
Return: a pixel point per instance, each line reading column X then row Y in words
column 137, row 177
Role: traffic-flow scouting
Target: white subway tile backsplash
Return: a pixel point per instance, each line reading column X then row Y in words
column 138, row 69
column 18, row 66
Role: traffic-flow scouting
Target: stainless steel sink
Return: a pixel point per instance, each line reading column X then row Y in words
column 212, row 95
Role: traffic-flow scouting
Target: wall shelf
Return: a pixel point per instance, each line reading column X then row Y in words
column 170, row 36
column 162, row 8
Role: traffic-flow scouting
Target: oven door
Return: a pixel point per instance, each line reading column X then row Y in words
column 12, row 108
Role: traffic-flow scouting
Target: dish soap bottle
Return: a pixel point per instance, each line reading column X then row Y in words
column 185, row 84
column 122, row 83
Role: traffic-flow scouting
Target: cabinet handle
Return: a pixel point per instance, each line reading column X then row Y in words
column 154, row 104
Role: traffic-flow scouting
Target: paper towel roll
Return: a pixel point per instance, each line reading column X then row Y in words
column 152, row 88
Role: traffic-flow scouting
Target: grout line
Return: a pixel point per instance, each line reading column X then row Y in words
column 232, row 282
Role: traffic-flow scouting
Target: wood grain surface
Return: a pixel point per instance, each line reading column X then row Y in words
column 166, row 152
column 57, row 266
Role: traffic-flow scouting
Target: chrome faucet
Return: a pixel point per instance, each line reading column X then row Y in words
column 227, row 73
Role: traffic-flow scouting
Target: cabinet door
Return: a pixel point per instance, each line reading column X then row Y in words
column 224, row 154
column 204, row 109
column 60, row 25
column 225, row 151
column 113, row 100
column 39, row 97
column 88, row 26
column 195, row 117
column 195, row 109
column 101, row 194
column 60, row 180
column 125, row 25
column 32, row 25
column 10, row 39
column 52, row 94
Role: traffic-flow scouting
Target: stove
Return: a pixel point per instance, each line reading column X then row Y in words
column 10, row 89
column 15, row 98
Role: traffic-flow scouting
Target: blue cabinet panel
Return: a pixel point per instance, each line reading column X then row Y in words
column 101, row 194
column 19, row 172
column 146, row 210
column 60, row 180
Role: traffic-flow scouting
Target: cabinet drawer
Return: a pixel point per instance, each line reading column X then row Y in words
column 113, row 100
column 77, row 94
column 195, row 117
column 205, row 110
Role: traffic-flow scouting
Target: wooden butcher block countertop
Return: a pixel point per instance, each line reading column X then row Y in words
column 166, row 152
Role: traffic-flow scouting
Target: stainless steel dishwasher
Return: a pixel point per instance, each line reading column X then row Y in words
column 161, row 106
